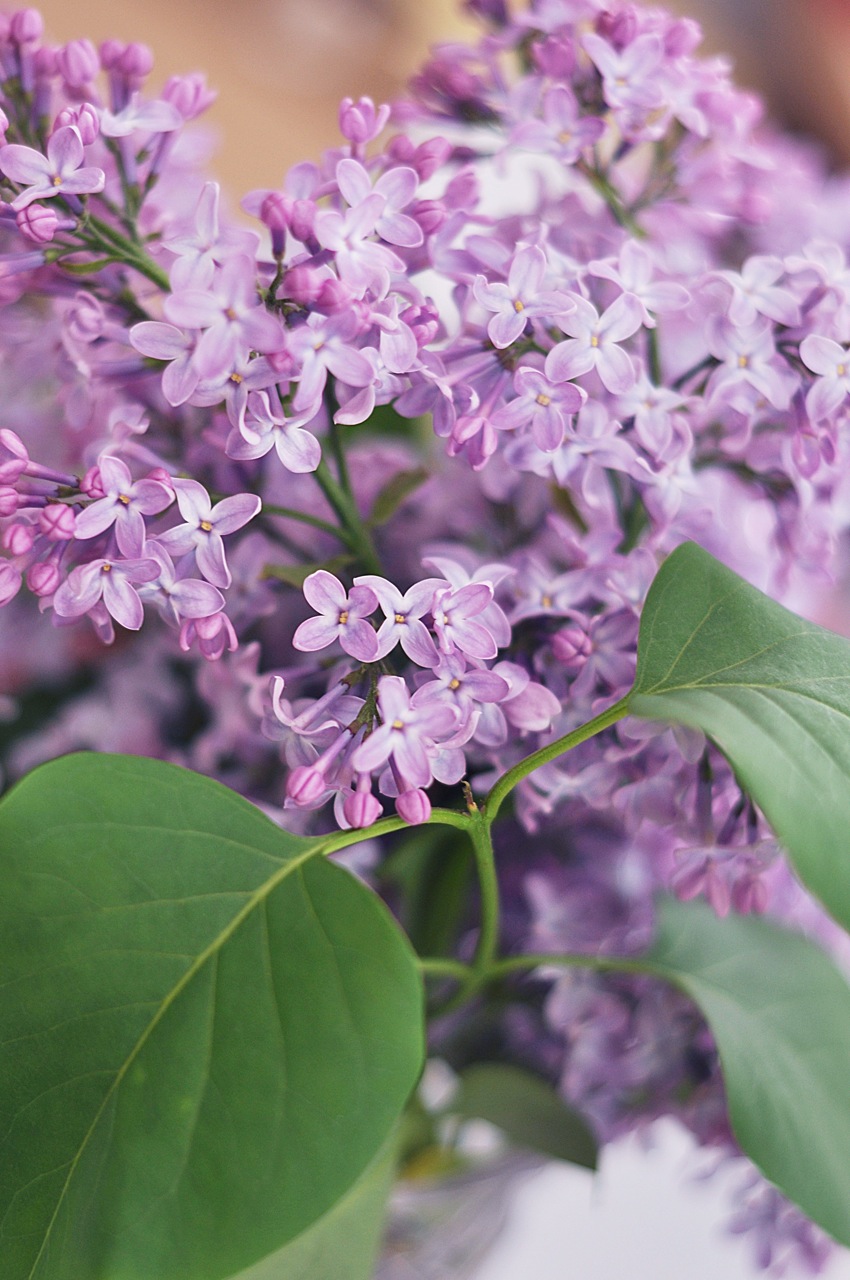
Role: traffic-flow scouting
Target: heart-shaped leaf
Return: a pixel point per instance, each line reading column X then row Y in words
column 773, row 692
column 780, row 1013
column 208, row 1030
column 528, row 1110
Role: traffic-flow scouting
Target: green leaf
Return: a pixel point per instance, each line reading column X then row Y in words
column 208, row 1029
column 529, row 1111
column 771, row 690
column 294, row 575
column 344, row 1243
column 780, row 1013
column 393, row 494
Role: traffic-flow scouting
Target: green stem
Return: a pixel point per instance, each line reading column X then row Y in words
column 488, row 938
column 438, row 967
column 569, row 960
column 551, row 751
column 290, row 513
column 603, row 185
column 359, row 538
column 386, row 826
column 132, row 254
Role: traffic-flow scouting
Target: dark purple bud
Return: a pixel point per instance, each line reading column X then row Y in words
column 430, row 155
column 46, row 62
column 275, row 213
column 78, row 63
column 57, row 523
column 424, row 320
column 26, row 26
column 37, row 222
column 18, row 539
column 43, row 578
column 618, row 28
column 302, row 285
column 414, row 807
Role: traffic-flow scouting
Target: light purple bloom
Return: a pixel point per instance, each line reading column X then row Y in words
column 521, row 299
column 266, row 427
column 542, row 405
column 342, row 617
column 57, row 173
column 403, row 618
column 204, row 526
column 408, row 733
column 457, row 620
column 111, row 581
column 125, row 504
column 229, row 312
column 163, row 341
column 176, row 595
column 831, row 361
column 593, row 343
column 397, row 186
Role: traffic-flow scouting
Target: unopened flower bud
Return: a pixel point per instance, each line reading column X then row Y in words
column 78, row 63
column 26, row 26
column 305, row 785
column 56, row 522
column 572, row 647
column 91, row 484
column 361, row 808
column 43, row 578
column 189, row 94
column 38, row 222
column 10, row 582
column 14, row 458
column 85, row 120
column 136, row 61
column 18, row 539
column 362, row 121
column 414, row 807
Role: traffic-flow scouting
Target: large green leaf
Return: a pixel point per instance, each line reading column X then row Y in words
column 773, row 692
column 208, row 1030
column 780, row 1013
column 344, row 1243
column 527, row 1110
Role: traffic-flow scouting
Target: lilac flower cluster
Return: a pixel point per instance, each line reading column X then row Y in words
column 625, row 312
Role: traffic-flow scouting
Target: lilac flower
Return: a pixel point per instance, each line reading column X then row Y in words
column 125, row 504
column 111, row 581
column 178, row 596
column 457, row 621
column 520, row 300
column 408, row 733
column 361, row 262
column 342, row 617
column 593, row 343
column 754, row 293
column 630, row 76
column 542, row 405
column 831, row 362
column 633, row 272
column 155, row 116
column 397, row 186
column 204, row 525
column 58, row 173
column 564, row 131
column 265, row 427
column 163, row 341
column 231, row 316
column 403, row 617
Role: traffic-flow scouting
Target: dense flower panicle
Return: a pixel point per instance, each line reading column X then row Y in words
column 625, row 313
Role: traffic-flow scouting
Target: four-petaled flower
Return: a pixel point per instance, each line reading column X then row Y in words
column 56, row 174
column 204, row 526
column 342, row 617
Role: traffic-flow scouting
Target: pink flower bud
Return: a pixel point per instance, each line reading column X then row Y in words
column 27, row 26
column 572, row 647
column 305, row 785
column 424, row 320
column 303, row 219
column 78, row 63
column 10, row 582
column 91, row 484
column 302, row 284
column 430, row 214
column 618, row 28
column 361, row 121
column 555, row 56
column 361, row 808
column 18, row 539
column 45, row 62
column 43, row 578
column 334, row 295
column 162, row 477
column 4, row 125
column 414, row 807
column 110, row 53
column 56, row 522
column 189, row 94
column 38, row 222
column 85, row 120
column 9, row 500
column 682, row 38
column 136, row 61
column 14, row 458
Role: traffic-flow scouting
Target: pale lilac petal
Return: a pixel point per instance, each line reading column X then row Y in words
column 65, row 149
column 822, row 355
column 822, row 400
column 547, row 428
column 506, row 327
column 399, row 229
column 347, row 364
column 84, row 182
column 193, row 501
column 412, row 759
column 362, row 601
column 386, row 594
column 158, row 340
column 130, row 531
column 616, row 371
column 232, row 513
column 324, row 593
column 193, row 309
column 260, row 330
column 474, row 639
column 298, row 450
column 96, row 518
column 398, row 185
column 196, row 599
column 622, row 319
column 417, row 643
column 122, row 601
column 25, row 165
column 353, row 181
column 314, row 634
column 527, row 271
column 359, row 638
column 569, row 359
column 209, row 554
column 375, row 751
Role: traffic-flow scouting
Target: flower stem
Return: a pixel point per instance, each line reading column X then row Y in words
column 290, row 513
column 485, row 863
column 551, row 751
column 358, row 536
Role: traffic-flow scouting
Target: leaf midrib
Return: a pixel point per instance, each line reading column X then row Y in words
column 257, row 897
